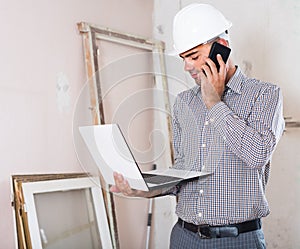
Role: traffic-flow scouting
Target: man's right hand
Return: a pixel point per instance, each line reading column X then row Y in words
column 213, row 82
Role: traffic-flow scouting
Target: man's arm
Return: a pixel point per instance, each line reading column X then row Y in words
column 253, row 140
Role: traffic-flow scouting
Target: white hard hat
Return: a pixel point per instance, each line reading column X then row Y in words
column 196, row 24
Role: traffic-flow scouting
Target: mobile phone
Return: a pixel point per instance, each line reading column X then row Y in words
column 218, row 48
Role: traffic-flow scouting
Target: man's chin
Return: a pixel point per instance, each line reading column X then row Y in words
column 197, row 81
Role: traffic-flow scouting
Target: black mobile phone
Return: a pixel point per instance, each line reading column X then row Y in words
column 218, row 48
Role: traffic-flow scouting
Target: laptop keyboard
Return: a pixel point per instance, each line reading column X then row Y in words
column 158, row 179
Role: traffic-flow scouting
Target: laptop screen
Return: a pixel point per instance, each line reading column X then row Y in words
column 111, row 153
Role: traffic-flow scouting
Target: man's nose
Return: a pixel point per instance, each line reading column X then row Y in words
column 188, row 65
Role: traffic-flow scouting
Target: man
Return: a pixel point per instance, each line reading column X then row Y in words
column 228, row 124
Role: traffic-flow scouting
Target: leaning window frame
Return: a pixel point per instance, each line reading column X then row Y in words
column 90, row 34
column 92, row 183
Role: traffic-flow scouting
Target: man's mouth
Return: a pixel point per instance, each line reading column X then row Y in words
column 194, row 75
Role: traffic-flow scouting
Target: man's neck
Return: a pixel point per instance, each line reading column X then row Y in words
column 231, row 71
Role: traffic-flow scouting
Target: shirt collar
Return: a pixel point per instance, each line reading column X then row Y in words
column 196, row 90
column 236, row 81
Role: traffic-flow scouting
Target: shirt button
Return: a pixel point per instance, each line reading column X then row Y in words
column 201, row 191
column 200, row 215
column 206, row 123
column 203, row 166
column 203, row 145
column 212, row 120
column 236, row 116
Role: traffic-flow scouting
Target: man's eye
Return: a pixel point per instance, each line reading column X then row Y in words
column 195, row 58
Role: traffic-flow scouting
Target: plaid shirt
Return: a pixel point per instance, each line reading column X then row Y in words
column 234, row 140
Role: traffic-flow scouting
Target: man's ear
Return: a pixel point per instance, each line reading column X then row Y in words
column 223, row 42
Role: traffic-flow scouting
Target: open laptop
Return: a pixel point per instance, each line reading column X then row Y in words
column 111, row 153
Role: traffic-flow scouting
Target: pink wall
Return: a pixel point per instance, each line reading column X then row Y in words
column 40, row 44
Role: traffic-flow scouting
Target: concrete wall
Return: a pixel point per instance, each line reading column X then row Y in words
column 265, row 39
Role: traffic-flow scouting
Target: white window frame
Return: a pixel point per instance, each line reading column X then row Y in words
column 92, row 183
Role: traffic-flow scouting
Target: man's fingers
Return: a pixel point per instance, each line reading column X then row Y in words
column 221, row 63
column 122, row 185
column 119, row 179
column 114, row 189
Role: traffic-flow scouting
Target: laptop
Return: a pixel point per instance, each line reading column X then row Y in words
column 111, row 153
